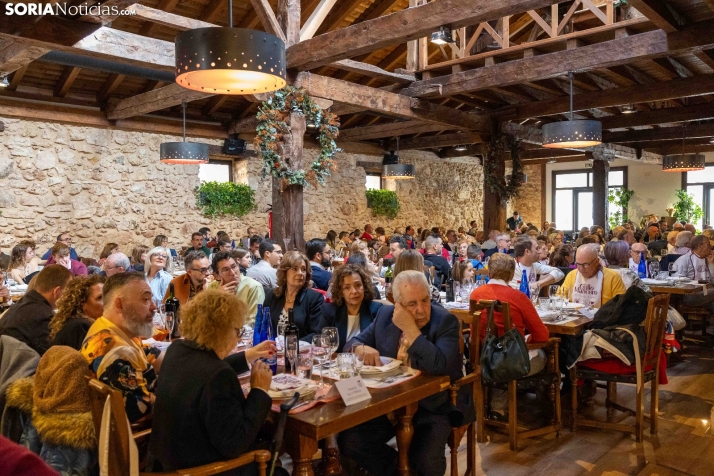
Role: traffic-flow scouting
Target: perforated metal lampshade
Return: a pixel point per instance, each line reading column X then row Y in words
column 398, row 171
column 570, row 134
column 187, row 153
column 683, row 163
column 230, row 61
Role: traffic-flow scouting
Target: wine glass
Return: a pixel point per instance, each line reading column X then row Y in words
column 358, row 351
column 333, row 339
column 287, row 242
column 169, row 322
column 280, row 338
column 534, row 290
column 292, row 347
column 654, row 269
column 672, row 268
column 320, row 347
column 553, row 291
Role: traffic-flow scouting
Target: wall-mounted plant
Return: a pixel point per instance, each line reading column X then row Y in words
column 383, row 203
column 225, row 198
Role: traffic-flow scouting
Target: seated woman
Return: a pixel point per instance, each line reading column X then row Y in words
column 562, row 256
column 369, row 269
column 201, row 415
column 242, row 257
column 23, row 261
column 138, row 257
column 157, row 268
column 109, row 248
column 524, row 317
column 554, row 239
column 461, row 253
column 543, row 249
column 294, row 292
column 617, row 256
column 77, row 309
column 463, row 275
column 163, row 241
column 352, row 309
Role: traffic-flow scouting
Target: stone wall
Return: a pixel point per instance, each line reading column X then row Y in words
column 528, row 202
column 108, row 186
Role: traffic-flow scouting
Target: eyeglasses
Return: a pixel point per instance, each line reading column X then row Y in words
column 232, row 269
column 202, row 270
column 160, row 256
column 585, row 265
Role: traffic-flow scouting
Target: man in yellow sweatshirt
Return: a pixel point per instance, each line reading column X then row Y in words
column 592, row 284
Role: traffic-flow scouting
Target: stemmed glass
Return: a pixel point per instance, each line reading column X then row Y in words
column 287, row 243
column 333, row 339
column 654, row 269
column 358, row 351
column 292, row 348
column 534, row 290
column 280, row 337
column 320, row 347
column 169, row 323
column 553, row 291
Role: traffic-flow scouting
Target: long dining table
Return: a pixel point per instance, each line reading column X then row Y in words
column 570, row 328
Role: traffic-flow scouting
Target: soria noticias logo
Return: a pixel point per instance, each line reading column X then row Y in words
column 63, row 9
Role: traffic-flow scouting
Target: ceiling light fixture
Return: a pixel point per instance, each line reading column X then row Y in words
column 187, row 153
column 4, row 82
column 572, row 134
column 460, row 148
column 230, row 60
column 442, row 36
column 628, row 109
column 392, row 169
column 683, row 162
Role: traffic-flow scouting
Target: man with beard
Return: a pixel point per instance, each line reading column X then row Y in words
column 113, row 345
column 320, row 256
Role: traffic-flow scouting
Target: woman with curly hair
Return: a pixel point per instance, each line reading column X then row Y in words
column 78, row 307
column 353, row 308
column 201, row 415
column 22, row 261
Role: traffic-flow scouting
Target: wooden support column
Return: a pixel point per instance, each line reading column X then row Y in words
column 494, row 210
column 601, row 168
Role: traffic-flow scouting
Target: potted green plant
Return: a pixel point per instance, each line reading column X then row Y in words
column 685, row 208
column 619, row 197
column 225, row 198
column 383, row 203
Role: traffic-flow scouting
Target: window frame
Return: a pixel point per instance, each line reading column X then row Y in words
column 706, row 187
column 374, row 174
column 228, row 162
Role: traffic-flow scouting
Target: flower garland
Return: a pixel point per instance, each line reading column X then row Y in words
column 272, row 125
column 493, row 153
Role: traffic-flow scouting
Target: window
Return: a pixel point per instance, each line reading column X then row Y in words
column 216, row 171
column 573, row 197
column 374, row 182
column 700, row 184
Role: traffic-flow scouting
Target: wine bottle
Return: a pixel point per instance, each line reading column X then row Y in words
column 257, row 326
column 389, row 275
column 450, row 295
column 267, row 334
column 524, row 284
column 172, row 305
column 291, row 330
column 642, row 267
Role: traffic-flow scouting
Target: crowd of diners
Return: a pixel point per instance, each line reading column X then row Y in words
column 96, row 311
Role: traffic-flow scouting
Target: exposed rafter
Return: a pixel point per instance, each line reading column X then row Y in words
column 155, row 100
column 660, row 12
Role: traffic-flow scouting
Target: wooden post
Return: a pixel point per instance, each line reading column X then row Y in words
column 494, row 211
column 413, row 46
column 601, row 168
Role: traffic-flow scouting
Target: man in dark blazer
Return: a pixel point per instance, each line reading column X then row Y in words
column 427, row 336
column 320, row 256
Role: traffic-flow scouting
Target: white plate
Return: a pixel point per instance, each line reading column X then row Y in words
column 654, row 282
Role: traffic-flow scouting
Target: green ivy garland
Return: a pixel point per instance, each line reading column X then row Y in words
column 272, row 125
column 493, row 153
column 225, row 198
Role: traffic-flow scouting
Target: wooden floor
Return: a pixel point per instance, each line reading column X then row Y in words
column 684, row 444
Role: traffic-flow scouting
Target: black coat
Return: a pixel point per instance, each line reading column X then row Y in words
column 73, row 333
column 336, row 316
column 307, row 310
column 29, row 321
column 441, row 268
column 201, row 415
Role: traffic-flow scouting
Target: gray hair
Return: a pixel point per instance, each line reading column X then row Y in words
column 120, row 260
column 408, row 277
column 684, row 238
column 156, row 250
column 432, row 240
column 502, row 236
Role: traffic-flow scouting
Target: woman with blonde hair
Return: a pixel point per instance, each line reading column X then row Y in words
column 77, row 309
column 157, row 268
column 554, row 239
column 201, row 415
column 22, row 261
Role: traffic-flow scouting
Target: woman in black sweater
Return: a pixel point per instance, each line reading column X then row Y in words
column 201, row 415
column 80, row 305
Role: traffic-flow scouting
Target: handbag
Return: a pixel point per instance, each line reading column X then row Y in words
column 503, row 358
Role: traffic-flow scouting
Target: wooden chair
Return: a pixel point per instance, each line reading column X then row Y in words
column 696, row 316
column 473, row 377
column 646, row 371
column 549, row 377
column 119, row 463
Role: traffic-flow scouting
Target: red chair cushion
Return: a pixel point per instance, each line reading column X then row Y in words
column 613, row 365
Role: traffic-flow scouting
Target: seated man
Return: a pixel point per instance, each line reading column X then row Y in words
column 61, row 255
column 694, row 264
column 591, row 283
column 65, row 238
column 320, row 256
column 113, row 345
column 503, row 245
column 636, row 251
column 433, row 247
column 28, row 320
column 426, row 336
column 197, row 244
column 117, row 263
column 526, row 251
column 266, row 272
column 194, row 280
column 228, row 278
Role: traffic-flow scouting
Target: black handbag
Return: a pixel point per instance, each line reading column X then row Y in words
column 503, row 358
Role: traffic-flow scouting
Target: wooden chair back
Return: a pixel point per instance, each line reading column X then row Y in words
column 655, row 324
column 480, row 272
column 119, row 435
column 480, row 307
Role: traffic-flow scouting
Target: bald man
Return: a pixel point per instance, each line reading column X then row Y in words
column 636, row 251
column 591, row 283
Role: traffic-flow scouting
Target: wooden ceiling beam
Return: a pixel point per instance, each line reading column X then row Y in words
column 211, row 11
column 661, row 13
column 676, row 88
column 214, row 104
column 110, row 85
column 392, row 104
column 69, row 74
column 372, row 71
column 547, row 153
column 267, row 18
column 439, row 141
column 154, row 16
column 394, row 129
column 151, row 101
column 654, row 117
column 389, row 30
column 318, row 15
column 16, row 77
column 165, row 6
column 15, row 55
column 380, row 9
column 600, row 55
column 337, row 16
column 686, row 149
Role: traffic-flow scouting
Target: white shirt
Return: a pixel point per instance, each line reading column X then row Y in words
column 532, row 271
column 352, row 326
column 693, row 267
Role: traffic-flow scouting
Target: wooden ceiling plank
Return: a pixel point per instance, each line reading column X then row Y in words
column 154, row 16
column 69, row 74
column 166, row 6
column 151, row 101
column 337, row 16
column 660, row 116
column 214, row 104
column 601, row 55
column 110, row 85
column 318, row 15
column 268, row 19
column 383, row 7
column 373, row 71
column 439, row 141
column 211, row 11
column 394, row 129
column 16, row 78
column 661, row 13
column 14, row 55
column 662, row 133
column 389, row 29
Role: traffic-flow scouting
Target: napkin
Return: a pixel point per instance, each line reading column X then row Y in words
column 386, row 367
